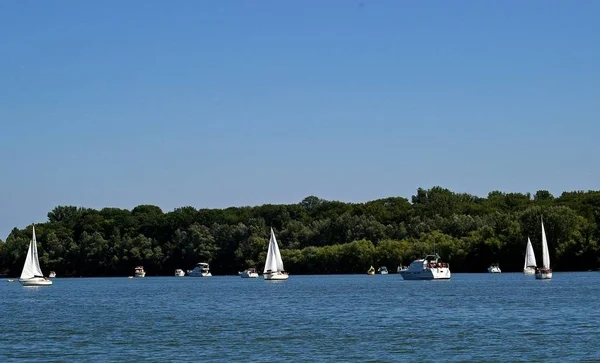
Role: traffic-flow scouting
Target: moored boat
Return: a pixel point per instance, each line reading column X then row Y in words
column 139, row 271
column 202, row 269
column 249, row 273
column 179, row 273
column 383, row 270
column 429, row 268
column 494, row 269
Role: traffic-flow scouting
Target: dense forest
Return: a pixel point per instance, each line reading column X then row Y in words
column 318, row 236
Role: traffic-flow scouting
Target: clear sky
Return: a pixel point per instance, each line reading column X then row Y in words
column 221, row 103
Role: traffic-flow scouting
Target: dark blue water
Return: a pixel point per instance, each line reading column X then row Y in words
column 472, row 317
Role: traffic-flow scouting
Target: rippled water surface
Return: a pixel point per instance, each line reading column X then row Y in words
column 472, row 317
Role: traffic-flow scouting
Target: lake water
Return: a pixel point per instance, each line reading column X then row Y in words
column 472, row 317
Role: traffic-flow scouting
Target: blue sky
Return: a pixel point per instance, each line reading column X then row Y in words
column 221, row 103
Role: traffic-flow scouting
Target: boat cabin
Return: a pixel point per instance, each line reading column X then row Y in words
column 430, row 261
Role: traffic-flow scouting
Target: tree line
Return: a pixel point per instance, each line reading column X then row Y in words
column 318, row 236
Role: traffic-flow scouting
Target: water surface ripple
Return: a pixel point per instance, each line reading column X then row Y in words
column 472, row 317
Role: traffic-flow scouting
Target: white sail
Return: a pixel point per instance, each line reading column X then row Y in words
column 545, row 254
column 274, row 261
column 31, row 268
column 529, row 255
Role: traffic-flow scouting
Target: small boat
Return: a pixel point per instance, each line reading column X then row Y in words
column 530, row 263
column 202, row 269
column 383, row 270
column 400, row 268
column 249, row 273
column 139, row 271
column 52, row 274
column 428, row 268
column 494, row 269
column 274, row 264
column 10, row 280
column 129, row 277
column 179, row 273
column 32, row 273
column 371, row 271
column 545, row 272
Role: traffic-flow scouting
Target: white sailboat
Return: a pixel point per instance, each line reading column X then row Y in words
column 545, row 272
column 274, row 264
column 530, row 263
column 32, row 273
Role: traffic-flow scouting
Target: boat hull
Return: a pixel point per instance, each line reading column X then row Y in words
column 430, row 274
column 529, row 271
column 199, row 274
column 36, row 281
column 494, row 270
column 275, row 276
column 251, row 275
column 543, row 274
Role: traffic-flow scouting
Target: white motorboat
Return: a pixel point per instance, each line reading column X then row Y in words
column 428, row 268
column 494, row 269
column 32, row 273
column 383, row 270
column 52, row 274
column 202, row 269
column 530, row 263
column 544, row 272
column 249, row 273
column 179, row 273
column 274, row 264
column 139, row 272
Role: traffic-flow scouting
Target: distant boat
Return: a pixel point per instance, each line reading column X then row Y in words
column 179, row 273
column 428, row 268
column 52, row 274
column 383, row 270
column 32, row 273
column 249, row 273
column 139, row 271
column 202, row 269
column 530, row 263
column 494, row 269
column 274, row 264
column 545, row 272
column 371, row 271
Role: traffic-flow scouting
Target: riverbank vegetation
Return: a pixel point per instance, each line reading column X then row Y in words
column 318, row 236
